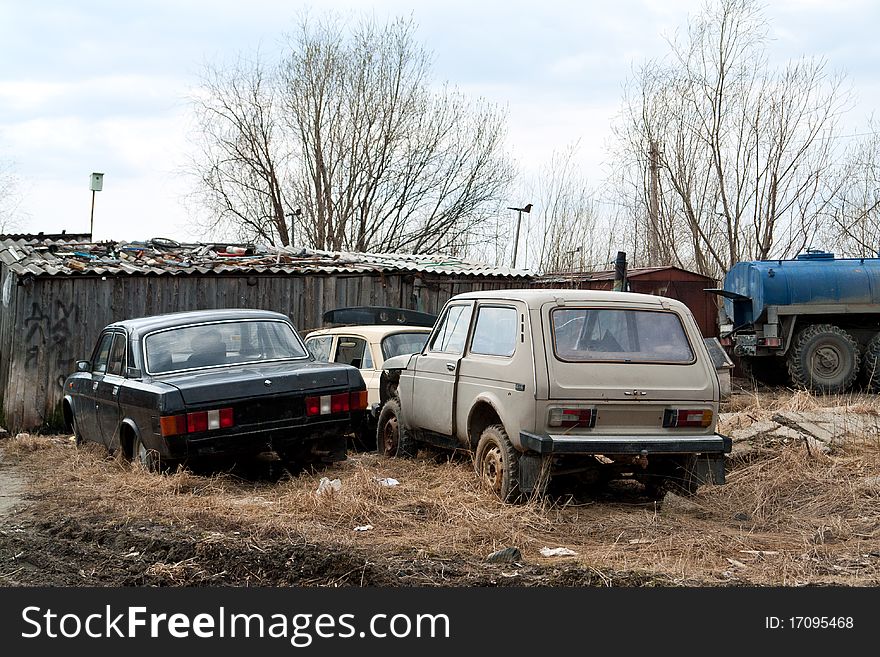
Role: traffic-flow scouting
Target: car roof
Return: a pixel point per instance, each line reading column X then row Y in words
column 170, row 320
column 372, row 333
column 537, row 297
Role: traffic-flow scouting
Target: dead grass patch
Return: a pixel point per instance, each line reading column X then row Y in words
column 787, row 518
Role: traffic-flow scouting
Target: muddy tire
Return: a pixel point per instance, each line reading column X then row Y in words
column 77, row 436
column 141, row 457
column 497, row 463
column 871, row 364
column 823, row 358
column 393, row 437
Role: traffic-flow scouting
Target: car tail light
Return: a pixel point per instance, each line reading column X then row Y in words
column 359, row 400
column 173, row 425
column 676, row 417
column 572, row 417
column 342, row 402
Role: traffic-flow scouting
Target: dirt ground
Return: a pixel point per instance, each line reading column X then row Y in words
column 789, row 515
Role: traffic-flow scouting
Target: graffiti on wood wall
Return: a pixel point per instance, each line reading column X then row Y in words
column 51, row 329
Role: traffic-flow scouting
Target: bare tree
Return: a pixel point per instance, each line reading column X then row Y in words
column 9, row 198
column 741, row 148
column 852, row 216
column 349, row 140
column 569, row 233
column 243, row 153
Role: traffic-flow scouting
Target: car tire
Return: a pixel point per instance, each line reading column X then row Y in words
column 141, row 457
column 823, row 358
column 393, row 437
column 497, row 463
column 77, row 436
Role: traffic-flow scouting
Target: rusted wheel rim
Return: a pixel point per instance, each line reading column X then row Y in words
column 827, row 361
column 493, row 469
column 389, row 436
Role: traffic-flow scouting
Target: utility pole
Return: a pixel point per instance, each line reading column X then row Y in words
column 654, row 204
column 96, row 184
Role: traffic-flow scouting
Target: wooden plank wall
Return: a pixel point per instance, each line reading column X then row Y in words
column 52, row 322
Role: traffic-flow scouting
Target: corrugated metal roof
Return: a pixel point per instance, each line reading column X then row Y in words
column 608, row 275
column 161, row 257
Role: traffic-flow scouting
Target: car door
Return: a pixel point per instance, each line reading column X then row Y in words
column 355, row 350
column 87, row 406
column 435, row 371
column 107, row 396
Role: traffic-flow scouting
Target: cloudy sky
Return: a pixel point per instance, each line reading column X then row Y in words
column 98, row 86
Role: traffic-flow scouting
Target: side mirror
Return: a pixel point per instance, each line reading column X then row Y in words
column 133, row 373
column 83, row 366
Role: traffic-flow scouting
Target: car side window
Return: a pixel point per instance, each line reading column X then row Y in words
column 353, row 351
column 116, row 361
column 102, row 353
column 452, row 333
column 495, row 331
column 319, row 347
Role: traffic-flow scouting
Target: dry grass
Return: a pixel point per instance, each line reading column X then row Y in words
column 787, row 518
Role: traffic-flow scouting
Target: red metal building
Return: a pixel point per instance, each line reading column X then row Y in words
column 686, row 286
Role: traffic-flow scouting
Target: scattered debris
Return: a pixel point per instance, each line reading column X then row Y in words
column 736, row 564
column 505, row 555
column 363, row 528
column 326, row 486
column 388, row 481
column 557, row 552
column 760, row 553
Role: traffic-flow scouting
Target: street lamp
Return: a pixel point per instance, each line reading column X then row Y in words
column 297, row 212
column 96, row 184
column 519, row 211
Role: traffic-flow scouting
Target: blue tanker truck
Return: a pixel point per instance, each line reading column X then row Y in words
column 813, row 321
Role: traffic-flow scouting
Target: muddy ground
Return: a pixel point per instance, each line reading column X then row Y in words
column 790, row 515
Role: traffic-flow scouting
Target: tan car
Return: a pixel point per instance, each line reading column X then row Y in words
column 541, row 382
column 367, row 348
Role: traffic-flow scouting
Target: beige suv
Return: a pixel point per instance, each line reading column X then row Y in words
column 540, row 382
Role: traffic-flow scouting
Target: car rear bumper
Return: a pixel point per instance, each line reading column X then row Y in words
column 546, row 444
column 240, row 441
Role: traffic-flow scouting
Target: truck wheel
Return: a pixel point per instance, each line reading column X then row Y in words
column 871, row 365
column 497, row 463
column 392, row 435
column 823, row 358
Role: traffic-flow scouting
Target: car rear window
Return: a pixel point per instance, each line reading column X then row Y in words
column 221, row 343
column 403, row 343
column 627, row 336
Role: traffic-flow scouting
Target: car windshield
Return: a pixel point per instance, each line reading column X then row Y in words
column 629, row 336
column 220, row 343
column 403, row 343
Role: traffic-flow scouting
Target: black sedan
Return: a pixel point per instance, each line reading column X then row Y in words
column 170, row 388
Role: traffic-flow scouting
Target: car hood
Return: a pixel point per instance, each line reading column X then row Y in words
column 229, row 383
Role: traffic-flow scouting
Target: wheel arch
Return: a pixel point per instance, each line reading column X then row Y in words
column 67, row 412
column 483, row 413
column 128, row 431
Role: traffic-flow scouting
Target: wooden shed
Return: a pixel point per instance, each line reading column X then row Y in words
column 56, row 295
column 687, row 286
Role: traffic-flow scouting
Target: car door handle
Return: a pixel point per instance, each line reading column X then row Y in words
column 450, row 367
